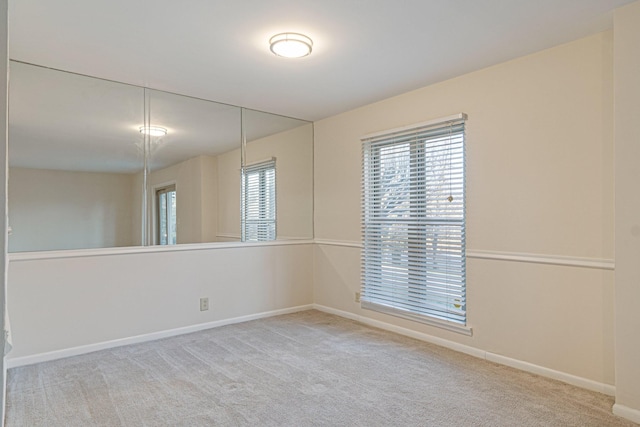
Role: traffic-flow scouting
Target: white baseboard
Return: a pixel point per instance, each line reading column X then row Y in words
column 482, row 354
column 626, row 412
column 575, row 380
column 75, row 351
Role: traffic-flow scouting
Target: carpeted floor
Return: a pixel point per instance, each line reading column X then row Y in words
column 303, row 369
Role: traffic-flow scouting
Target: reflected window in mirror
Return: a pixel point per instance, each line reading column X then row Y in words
column 166, row 220
column 259, row 202
column 289, row 140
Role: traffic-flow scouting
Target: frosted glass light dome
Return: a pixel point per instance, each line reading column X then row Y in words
column 291, row 45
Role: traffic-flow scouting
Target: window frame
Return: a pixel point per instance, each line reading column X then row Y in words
column 266, row 222
column 157, row 192
column 400, row 242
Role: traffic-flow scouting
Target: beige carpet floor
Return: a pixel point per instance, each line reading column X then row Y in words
column 303, row 369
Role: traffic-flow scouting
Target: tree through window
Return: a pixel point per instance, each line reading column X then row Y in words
column 414, row 222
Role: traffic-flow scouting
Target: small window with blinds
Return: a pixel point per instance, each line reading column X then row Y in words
column 413, row 257
column 259, row 202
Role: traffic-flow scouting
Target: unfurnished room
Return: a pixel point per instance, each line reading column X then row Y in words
column 320, row 213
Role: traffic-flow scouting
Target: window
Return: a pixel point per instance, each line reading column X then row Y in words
column 413, row 257
column 259, row 202
column 166, row 215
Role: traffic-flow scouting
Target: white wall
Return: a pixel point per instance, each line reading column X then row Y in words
column 61, row 303
column 50, row 209
column 539, row 181
column 627, row 204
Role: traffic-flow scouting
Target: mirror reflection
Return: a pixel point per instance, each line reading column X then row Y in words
column 75, row 152
column 278, row 166
column 97, row 164
column 188, row 170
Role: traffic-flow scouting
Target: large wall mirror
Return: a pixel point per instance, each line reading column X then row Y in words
column 101, row 164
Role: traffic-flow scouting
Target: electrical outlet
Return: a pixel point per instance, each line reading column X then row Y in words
column 357, row 296
column 204, row 304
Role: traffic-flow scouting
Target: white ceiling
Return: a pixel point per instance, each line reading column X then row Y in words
column 364, row 50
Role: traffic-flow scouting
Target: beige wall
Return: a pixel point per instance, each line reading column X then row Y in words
column 539, row 181
column 229, row 196
column 51, row 210
column 196, row 198
column 627, row 204
column 209, row 198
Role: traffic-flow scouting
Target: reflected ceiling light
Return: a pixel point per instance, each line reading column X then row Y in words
column 291, row 45
column 153, row 130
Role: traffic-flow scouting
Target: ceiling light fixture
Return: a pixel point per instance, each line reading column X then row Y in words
column 153, row 130
column 291, row 45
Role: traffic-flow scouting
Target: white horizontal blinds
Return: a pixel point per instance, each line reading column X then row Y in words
column 259, row 201
column 413, row 257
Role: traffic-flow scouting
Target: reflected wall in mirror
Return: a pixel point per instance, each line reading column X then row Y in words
column 284, row 145
column 200, row 149
column 74, row 154
column 83, row 175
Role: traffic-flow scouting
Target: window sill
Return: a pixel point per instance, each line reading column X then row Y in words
column 443, row 324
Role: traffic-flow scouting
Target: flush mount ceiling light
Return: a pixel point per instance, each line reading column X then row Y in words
column 153, row 130
column 291, row 45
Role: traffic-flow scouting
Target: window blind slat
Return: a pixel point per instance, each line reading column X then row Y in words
column 259, row 202
column 413, row 216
